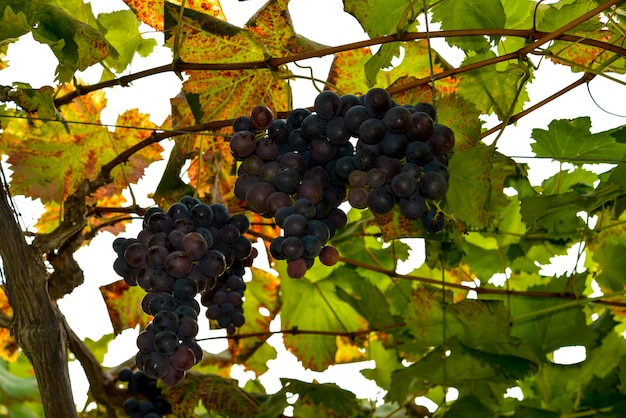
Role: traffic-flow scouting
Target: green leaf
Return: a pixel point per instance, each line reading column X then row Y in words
column 100, row 347
column 13, row 24
column 122, row 32
column 459, row 367
column 610, row 257
column 315, row 306
column 577, row 179
column 495, row 89
column 321, row 399
column 17, row 388
column 467, row 407
column 382, row 17
column 545, row 332
column 364, row 297
column 470, row 185
column 76, row 45
column 469, row 14
column 387, row 360
column 571, row 141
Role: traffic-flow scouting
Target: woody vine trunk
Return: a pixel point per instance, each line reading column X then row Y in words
column 36, row 323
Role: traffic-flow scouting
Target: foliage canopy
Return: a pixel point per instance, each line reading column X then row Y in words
column 445, row 324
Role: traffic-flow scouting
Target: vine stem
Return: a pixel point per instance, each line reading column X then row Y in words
column 273, row 63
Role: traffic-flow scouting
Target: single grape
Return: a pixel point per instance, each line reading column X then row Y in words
column 183, row 359
column 279, row 131
column 433, row 221
column 377, row 102
column 442, row 140
column 381, row 200
column 337, row 131
column 178, row 264
column 327, row 105
column 262, row 117
column 433, row 185
column 297, row 268
column 329, row 256
column 397, row 120
column 295, row 118
column 166, row 342
column 372, row 131
column 242, row 144
column 165, row 321
column 421, row 128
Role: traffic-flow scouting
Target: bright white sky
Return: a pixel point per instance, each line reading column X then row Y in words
column 33, row 63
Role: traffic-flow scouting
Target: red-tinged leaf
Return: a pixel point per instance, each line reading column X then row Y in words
column 272, row 23
column 225, row 94
column 213, row 172
column 261, row 292
column 151, row 12
column 83, row 149
column 220, row 396
column 37, row 102
column 124, row 306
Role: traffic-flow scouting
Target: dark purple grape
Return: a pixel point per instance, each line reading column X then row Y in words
column 277, row 200
column 252, row 164
column 394, row 145
column 156, row 256
column 221, row 215
column 412, row 207
column 178, row 264
column 329, row 256
column 372, row 131
column 267, row 149
column 322, row 150
column 174, row 239
column 146, row 217
column 282, row 214
column 187, row 329
column 194, row 244
column 156, row 364
column 185, row 311
column 293, row 160
column 165, row 321
column 276, row 248
column 422, row 127
column 344, row 166
column 313, row 127
column 185, row 289
column 327, row 105
column 145, row 341
column 403, row 185
column 243, row 123
column 166, row 343
column 292, row 248
column 268, row 171
column 295, row 118
column 279, row 131
column 241, row 222
column 338, row 217
column 312, row 246
column 212, row 264
column 183, row 359
column 257, row 195
column 238, row 319
column 358, row 197
column 297, row 142
column 304, row 207
column 381, row 200
column 161, row 282
column 427, row 108
column 357, row 178
column 377, row 102
column 160, row 302
column 319, row 230
column 262, row 117
column 437, row 167
column 189, row 201
column 442, row 140
column 297, row 268
column 337, row 131
column 433, row 185
column 365, row 159
column 195, row 347
column 376, row 177
column 354, row 117
column 160, row 222
column 433, row 221
column 397, row 120
column 173, row 377
column 295, row 225
column 121, row 267
column 135, row 255
column 242, row 144
column 347, row 102
column 287, row 180
column 184, row 224
column 310, row 190
column 318, row 174
column 201, row 215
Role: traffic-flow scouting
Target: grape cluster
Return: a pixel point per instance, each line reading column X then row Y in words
column 180, row 253
column 145, row 398
column 299, row 170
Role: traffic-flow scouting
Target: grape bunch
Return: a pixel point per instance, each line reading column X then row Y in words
column 367, row 150
column 145, row 399
column 180, row 253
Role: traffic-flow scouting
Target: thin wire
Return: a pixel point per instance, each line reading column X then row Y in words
column 430, row 58
column 107, row 125
column 600, row 107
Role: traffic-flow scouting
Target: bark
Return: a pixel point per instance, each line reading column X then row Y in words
column 36, row 323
